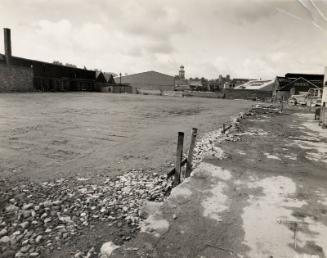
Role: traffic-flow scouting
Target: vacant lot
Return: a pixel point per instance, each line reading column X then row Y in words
column 44, row 136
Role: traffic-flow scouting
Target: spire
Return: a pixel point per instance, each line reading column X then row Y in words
column 182, row 72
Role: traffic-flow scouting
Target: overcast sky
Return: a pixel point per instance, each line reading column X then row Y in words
column 243, row 38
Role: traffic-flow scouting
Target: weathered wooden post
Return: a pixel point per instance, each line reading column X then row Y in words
column 224, row 128
column 190, row 153
column 179, row 156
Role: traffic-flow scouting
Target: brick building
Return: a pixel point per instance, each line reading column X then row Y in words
column 21, row 74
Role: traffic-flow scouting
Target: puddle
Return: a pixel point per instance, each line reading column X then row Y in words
column 317, row 235
column 317, row 156
column 181, row 191
column 215, row 203
column 155, row 224
column 312, row 124
column 265, row 235
column 255, row 132
column 291, row 156
column 322, row 196
column 319, row 153
column 208, row 170
column 107, row 249
column 270, row 156
column 241, row 152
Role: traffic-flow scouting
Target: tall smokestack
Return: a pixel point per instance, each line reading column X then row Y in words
column 7, row 38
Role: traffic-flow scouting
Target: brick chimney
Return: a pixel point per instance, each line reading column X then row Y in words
column 7, row 38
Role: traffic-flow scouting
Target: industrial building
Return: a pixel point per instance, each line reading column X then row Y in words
column 296, row 83
column 150, row 81
column 21, row 74
column 323, row 111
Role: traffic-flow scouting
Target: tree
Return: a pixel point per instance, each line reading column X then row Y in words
column 57, row 62
column 70, row 65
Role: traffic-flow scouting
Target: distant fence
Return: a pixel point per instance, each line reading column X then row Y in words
column 231, row 94
column 203, row 94
column 247, row 94
column 225, row 94
column 113, row 88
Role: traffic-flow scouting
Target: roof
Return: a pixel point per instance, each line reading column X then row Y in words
column 265, row 85
column 100, row 77
column 289, row 85
column 305, row 76
column 151, row 73
column 20, row 61
column 109, row 76
column 143, row 73
column 242, row 79
column 195, row 83
column 285, row 83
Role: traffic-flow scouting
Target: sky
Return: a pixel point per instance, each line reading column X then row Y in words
column 243, row 38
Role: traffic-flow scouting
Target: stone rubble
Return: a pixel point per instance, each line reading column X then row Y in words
column 37, row 218
column 206, row 146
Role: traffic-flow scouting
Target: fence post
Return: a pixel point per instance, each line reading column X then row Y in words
column 224, row 128
column 190, row 153
column 179, row 154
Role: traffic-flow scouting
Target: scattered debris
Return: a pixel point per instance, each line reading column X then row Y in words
column 37, row 217
column 270, row 156
column 107, row 249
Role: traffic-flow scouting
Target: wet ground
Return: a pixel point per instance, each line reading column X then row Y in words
column 265, row 197
column 51, row 135
column 68, row 149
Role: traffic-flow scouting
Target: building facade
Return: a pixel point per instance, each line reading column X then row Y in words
column 45, row 76
column 150, row 80
column 295, row 84
column 181, row 83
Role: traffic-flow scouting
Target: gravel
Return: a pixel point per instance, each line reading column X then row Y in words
column 37, row 218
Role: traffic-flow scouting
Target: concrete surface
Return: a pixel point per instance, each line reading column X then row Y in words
column 50, row 135
column 268, row 198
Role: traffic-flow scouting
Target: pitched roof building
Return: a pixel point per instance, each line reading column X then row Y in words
column 296, row 83
column 150, row 80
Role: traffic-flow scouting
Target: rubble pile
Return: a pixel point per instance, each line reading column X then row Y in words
column 265, row 109
column 255, row 132
column 38, row 217
column 206, row 145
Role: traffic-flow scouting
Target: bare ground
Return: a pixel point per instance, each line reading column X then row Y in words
column 51, row 135
column 46, row 137
column 266, row 198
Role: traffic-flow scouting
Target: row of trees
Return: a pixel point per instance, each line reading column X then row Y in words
column 66, row 64
column 213, row 84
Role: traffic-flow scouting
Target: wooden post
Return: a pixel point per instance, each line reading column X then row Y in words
column 281, row 105
column 190, row 153
column 224, row 128
column 179, row 154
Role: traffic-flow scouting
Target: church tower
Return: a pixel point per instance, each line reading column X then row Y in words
column 181, row 73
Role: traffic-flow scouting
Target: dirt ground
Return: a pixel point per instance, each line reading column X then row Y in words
column 51, row 135
column 264, row 197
